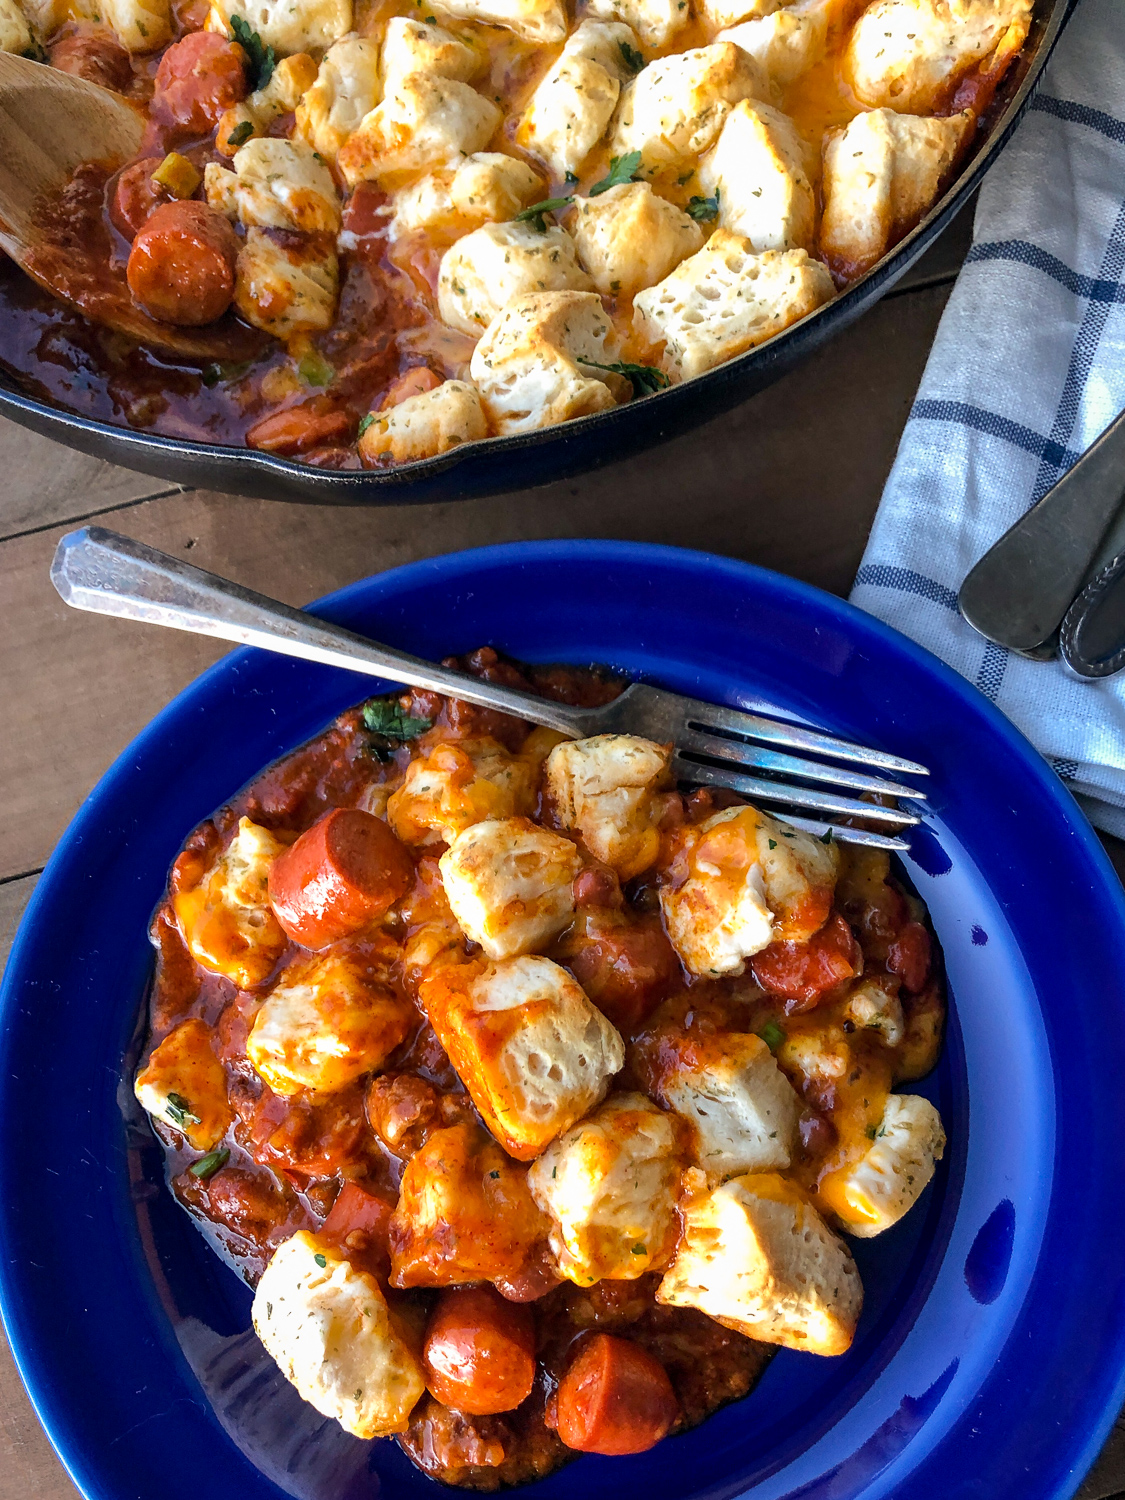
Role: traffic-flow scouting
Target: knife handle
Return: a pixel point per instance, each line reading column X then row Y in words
column 1018, row 592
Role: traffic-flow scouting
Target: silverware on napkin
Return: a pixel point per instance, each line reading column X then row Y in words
column 1030, row 592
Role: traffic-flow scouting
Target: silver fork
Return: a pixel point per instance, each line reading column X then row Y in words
column 99, row 570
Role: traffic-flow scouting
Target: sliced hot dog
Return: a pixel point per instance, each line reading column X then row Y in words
column 345, row 871
column 199, row 78
column 479, row 1354
column 135, row 195
column 95, row 54
column 181, row 266
column 614, row 1398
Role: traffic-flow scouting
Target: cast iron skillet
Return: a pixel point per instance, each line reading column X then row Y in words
column 502, row 464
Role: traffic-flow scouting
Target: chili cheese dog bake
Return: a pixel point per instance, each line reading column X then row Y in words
column 483, row 217
column 538, row 1099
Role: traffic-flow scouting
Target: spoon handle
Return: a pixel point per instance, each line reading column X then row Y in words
column 1023, row 585
column 109, row 574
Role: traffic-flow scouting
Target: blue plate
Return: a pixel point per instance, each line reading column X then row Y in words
column 990, row 1360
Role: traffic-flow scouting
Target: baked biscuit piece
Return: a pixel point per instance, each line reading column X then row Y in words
column 538, row 362
column 674, row 109
column 345, row 89
column 881, row 174
column 487, row 188
column 286, row 25
column 717, row 13
column 484, row 270
column 751, row 881
column 276, row 184
column 15, row 34
column 330, row 1018
column 422, row 122
column 604, row 789
column 411, row 46
column 742, row 1107
column 464, row 1213
column 909, row 55
column 183, row 1084
column 327, row 1326
column 875, row 1193
column 288, row 82
column 656, row 22
column 574, row 101
column 425, row 425
column 508, row 882
column 457, row 784
column 725, row 300
column 787, row 43
column 286, row 289
column 226, row 917
column 630, row 238
column 532, row 1051
column 610, row 1185
column 140, row 25
column 531, row 20
column 758, row 168
column 757, row 1258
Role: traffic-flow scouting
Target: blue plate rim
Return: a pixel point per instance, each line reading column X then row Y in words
column 1077, row 1455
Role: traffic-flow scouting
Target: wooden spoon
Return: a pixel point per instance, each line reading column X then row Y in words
column 50, row 124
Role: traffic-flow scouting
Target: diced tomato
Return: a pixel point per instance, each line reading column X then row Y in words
column 909, row 957
column 358, row 1223
column 626, row 965
column 805, row 973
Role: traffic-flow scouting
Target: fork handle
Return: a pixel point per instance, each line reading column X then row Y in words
column 109, row 574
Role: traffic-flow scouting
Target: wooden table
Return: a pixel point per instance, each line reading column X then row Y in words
column 789, row 480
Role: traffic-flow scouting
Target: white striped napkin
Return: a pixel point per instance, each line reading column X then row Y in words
column 1027, row 369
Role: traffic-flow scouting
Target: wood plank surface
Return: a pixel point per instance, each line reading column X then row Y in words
column 790, row 480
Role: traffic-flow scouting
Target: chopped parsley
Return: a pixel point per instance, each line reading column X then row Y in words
column 179, row 1112
column 536, row 214
column 685, row 177
column 646, row 380
column 639, row 1250
column 386, row 716
column 365, row 422
column 826, row 836
column 321, row 1261
column 702, row 209
column 633, row 60
column 241, row 133
column 773, row 843
column 262, row 58
column 622, row 169
column 208, row 1165
column 772, row 1034
column 571, row 178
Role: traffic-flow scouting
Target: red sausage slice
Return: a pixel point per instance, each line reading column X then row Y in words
column 345, row 871
column 181, row 266
column 615, row 1398
column 94, row 54
column 135, row 195
column 479, row 1353
column 199, row 78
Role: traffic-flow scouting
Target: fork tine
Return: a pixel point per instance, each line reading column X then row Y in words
column 790, row 796
column 851, row 835
column 756, row 756
column 778, row 732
